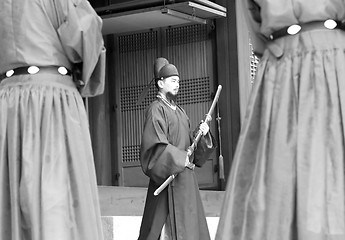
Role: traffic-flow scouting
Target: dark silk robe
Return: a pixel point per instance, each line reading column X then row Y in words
column 166, row 137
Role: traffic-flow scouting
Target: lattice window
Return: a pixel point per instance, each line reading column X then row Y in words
column 186, row 34
column 131, row 154
column 136, row 42
column 194, row 91
column 130, row 95
column 191, row 91
column 254, row 61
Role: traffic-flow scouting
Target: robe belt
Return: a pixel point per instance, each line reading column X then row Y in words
column 294, row 29
column 35, row 70
column 297, row 28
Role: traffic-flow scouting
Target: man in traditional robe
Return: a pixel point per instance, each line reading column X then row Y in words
column 48, row 188
column 178, row 209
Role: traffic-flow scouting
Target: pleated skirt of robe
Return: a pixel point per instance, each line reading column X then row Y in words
column 48, row 188
column 287, row 177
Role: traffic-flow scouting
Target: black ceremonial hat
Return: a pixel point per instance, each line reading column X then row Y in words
column 162, row 69
column 158, row 65
column 168, row 70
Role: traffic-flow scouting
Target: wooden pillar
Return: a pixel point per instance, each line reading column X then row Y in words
column 99, row 119
column 228, row 77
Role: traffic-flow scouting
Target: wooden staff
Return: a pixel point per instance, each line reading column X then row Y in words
column 191, row 148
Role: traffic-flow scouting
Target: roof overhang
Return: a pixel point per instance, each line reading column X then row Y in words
column 199, row 11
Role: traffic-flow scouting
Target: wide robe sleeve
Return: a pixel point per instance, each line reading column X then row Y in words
column 159, row 158
column 206, row 145
column 80, row 33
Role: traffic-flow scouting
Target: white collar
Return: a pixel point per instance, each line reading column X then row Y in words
column 166, row 101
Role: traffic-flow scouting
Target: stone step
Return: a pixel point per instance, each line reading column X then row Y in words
column 122, row 209
column 127, row 227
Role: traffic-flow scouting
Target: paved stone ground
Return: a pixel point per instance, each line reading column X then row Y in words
column 127, row 227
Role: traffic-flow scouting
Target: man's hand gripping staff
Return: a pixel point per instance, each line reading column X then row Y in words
column 192, row 147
